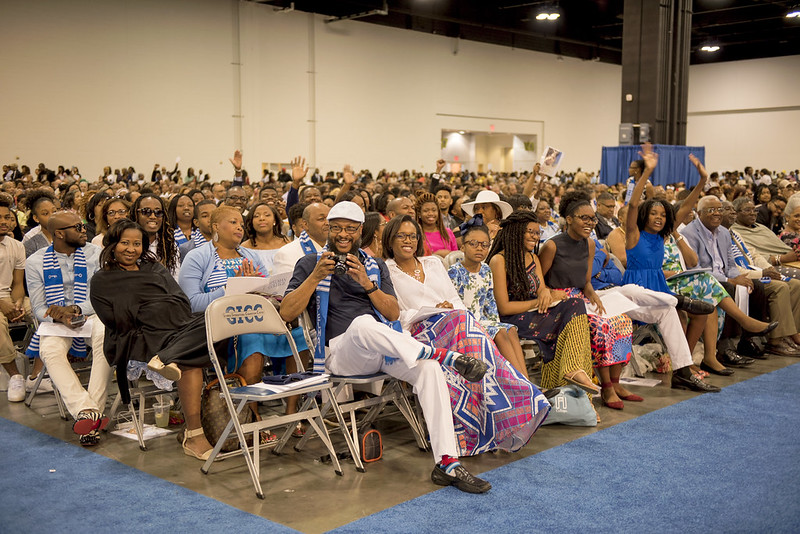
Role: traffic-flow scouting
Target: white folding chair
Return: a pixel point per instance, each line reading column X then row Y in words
column 248, row 314
column 387, row 389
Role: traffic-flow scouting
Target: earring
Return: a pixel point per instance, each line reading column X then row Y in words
column 215, row 237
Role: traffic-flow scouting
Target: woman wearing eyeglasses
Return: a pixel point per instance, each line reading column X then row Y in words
column 558, row 324
column 114, row 209
column 472, row 279
column 150, row 213
column 437, row 239
column 566, row 261
column 504, row 409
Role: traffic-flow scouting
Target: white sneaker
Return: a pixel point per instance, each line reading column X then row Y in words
column 16, row 389
column 45, row 386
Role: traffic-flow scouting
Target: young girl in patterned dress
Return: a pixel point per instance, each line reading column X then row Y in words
column 473, row 280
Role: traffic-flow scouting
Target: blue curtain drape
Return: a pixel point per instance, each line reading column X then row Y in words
column 673, row 164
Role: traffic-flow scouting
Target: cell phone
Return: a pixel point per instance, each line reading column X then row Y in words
column 77, row 321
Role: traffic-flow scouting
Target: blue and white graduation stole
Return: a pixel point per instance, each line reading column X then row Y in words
column 219, row 274
column 740, row 253
column 54, row 294
column 198, row 239
column 323, row 299
column 306, row 244
column 180, row 237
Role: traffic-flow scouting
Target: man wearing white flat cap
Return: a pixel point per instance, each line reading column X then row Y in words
column 352, row 297
column 493, row 210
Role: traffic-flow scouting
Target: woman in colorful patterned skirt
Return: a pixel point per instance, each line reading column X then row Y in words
column 566, row 262
column 557, row 323
column 503, row 410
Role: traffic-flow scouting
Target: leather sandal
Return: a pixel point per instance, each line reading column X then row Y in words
column 188, row 434
column 615, row 405
column 631, row 397
column 586, row 385
column 169, row 371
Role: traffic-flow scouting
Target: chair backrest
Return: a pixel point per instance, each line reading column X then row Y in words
column 235, row 315
column 452, row 258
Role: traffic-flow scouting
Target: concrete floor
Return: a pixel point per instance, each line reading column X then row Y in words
column 295, row 479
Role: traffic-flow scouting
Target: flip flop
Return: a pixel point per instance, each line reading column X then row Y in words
column 587, row 388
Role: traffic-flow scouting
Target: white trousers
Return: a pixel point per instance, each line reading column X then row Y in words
column 360, row 351
column 53, row 352
column 658, row 308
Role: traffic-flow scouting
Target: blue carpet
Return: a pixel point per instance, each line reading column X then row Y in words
column 723, row 462
column 89, row 492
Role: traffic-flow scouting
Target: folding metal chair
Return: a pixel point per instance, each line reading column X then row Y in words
column 389, row 390
column 247, row 314
column 139, row 393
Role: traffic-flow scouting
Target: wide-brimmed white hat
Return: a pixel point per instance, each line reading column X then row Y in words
column 346, row 210
column 488, row 197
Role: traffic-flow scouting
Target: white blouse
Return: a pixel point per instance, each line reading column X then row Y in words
column 413, row 295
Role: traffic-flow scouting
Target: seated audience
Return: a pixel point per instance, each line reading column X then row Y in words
column 263, row 228
column 491, row 208
column 436, row 238
column 202, row 224
column 311, row 240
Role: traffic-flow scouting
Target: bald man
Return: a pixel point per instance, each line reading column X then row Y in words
column 312, row 239
column 59, row 278
column 400, row 206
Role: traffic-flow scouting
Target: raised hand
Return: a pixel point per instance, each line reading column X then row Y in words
column 536, row 168
column 696, row 162
column 440, row 165
column 299, row 169
column 348, row 177
column 236, row 160
column 649, row 156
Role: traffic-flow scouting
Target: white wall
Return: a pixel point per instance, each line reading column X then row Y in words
column 727, row 113
column 116, row 82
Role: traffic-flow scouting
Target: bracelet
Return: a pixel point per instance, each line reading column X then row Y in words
column 679, row 238
column 777, row 260
column 373, row 289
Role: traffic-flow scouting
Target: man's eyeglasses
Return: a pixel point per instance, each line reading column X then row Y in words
column 406, row 237
column 113, row 213
column 714, row 210
column 237, row 198
column 147, row 212
column 587, row 218
column 335, row 228
column 477, row 244
column 78, row 227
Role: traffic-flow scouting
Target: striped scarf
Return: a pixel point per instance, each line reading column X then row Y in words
column 306, row 244
column 323, row 299
column 219, row 275
column 741, row 255
column 54, row 294
column 198, row 239
column 180, row 237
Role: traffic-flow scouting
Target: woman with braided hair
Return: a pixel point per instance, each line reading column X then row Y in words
column 150, row 212
column 567, row 266
column 557, row 323
column 437, row 238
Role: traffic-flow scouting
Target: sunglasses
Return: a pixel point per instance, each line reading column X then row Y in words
column 147, row 212
column 78, row 227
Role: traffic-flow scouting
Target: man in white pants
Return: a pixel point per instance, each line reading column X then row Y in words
column 352, row 317
column 58, row 279
column 659, row 308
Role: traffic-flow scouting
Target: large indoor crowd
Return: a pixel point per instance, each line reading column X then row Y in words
column 436, row 279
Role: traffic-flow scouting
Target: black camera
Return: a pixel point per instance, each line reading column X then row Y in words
column 340, row 267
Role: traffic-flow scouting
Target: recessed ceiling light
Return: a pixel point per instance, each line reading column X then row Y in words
column 462, row 132
column 709, row 48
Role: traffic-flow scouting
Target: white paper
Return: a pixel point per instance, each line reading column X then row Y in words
column 644, row 382
column 614, row 303
column 148, row 431
column 272, row 285
column 280, row 388
column 550, row 161
column 62, row 330
column 425, row 312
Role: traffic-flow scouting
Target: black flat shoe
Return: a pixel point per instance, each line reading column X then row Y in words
column 722, row 372
column 461, row 478
column 770, row 327
column 472, row 369
column 692, row 383
column 694, row 306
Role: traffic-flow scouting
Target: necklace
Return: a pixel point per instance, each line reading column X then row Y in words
column 416, row 274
